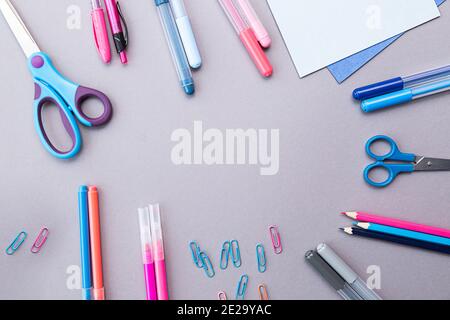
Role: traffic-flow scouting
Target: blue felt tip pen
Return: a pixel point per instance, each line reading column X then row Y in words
column 84, row 243
column 175, row 45
column 405, row 95
column 400, row 83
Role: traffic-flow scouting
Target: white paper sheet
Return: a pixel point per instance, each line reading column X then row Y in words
column 321, row 32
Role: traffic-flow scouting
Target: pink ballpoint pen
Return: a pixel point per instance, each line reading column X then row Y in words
column 120, row 39
column 158, row 252
column 147, row 254
column 100, row 31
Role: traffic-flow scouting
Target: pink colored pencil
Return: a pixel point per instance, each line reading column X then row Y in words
column 366, row 217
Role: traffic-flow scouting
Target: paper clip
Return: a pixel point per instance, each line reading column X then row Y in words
column 276, row 240
column 222, row 295
column 16, row 243
column 195, row 252
column 225, row 254
column 261, row 258
column 207, row 265
column 262, row 290
column 40, row 240
column 235, row 253
column 242, row 287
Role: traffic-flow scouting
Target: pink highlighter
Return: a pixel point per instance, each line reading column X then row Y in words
column 147, row 254
column 100, row 31
column 247, row 36
column 158, row 252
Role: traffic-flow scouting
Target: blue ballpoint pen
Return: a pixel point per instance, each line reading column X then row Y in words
column 175, row 45
column 405, row 95
column 84, row 243
column 400, row 83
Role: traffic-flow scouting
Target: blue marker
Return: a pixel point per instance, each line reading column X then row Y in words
column 400, row 83
column 84, row 243
column 405, row 95
column 175, row 45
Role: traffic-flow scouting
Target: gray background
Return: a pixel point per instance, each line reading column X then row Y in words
column 322, row 156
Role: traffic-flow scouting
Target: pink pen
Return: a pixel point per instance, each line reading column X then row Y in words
column 100, row 31
column 158, row 252
column 255, row 23
column 147, row 254
column 248, row 38
column 115, row 21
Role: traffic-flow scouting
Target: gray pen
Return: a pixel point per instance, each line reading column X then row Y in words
column 346, row 272
column 342, row 288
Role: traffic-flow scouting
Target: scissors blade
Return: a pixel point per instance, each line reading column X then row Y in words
column 431, row 164
column 19, row 29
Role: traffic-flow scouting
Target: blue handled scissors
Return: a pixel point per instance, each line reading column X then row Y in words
column 52, row 88
column 395, row 162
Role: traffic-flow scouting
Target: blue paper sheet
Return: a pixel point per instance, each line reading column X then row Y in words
column 343, row 69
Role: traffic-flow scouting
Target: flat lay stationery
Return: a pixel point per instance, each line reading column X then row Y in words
column 344, row 68
column 395, row 162
column 52, row 87
column 316, row 36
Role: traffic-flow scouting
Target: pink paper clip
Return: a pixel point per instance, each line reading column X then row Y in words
column 276, row 240
column 40, row 240
column 222, row 295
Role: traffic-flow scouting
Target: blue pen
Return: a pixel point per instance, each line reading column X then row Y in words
column 84, row 243
column 175, row 45
column 405, row 95
column 404, row 233
column 400, row 83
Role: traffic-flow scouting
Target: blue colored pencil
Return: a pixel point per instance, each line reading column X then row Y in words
column 85, row 251
column 404, row 233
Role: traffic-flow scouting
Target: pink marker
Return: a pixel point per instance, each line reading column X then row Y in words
column 255, row 23
column 158, row 252
column 115, row 21
column 147, row 254
column 100, row 31
column 248, row 38
column 396, row 223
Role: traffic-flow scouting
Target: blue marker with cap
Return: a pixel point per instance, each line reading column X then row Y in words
column 85, row 251
column 175, row 45
column 405, row 95
column 400, row 83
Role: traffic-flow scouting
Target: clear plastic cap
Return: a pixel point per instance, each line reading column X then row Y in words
column 146, row 235
column 155, row 223
column 234, row 15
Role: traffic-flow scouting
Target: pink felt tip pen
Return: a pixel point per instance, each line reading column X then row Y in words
column 100, row 31
column 147, row 254
column 248, row 38
column 255, row 23
column 115, row 21
column 158, row 252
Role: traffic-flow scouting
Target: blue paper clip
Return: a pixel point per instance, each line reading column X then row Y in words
column 207, row 265
column 242, row 287
column 17, row 242
column 225, row 254
column 235, row 253
column 261, row 258
column 195, row 252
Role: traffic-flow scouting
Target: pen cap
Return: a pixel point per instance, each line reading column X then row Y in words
column 251, row 18
column 146, row 236
column 378, row 89
column 156, row 230
column 387, row 100
column 234, row 16
column 96, row 4
column 336, row 263
column 178, row 8
column 325, row 270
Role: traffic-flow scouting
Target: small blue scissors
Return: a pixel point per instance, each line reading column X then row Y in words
column 52, row 88
column 388, row 163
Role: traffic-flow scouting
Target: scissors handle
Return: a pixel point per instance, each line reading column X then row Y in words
column 394, row 154
column 393, row 170
column 45, row 95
